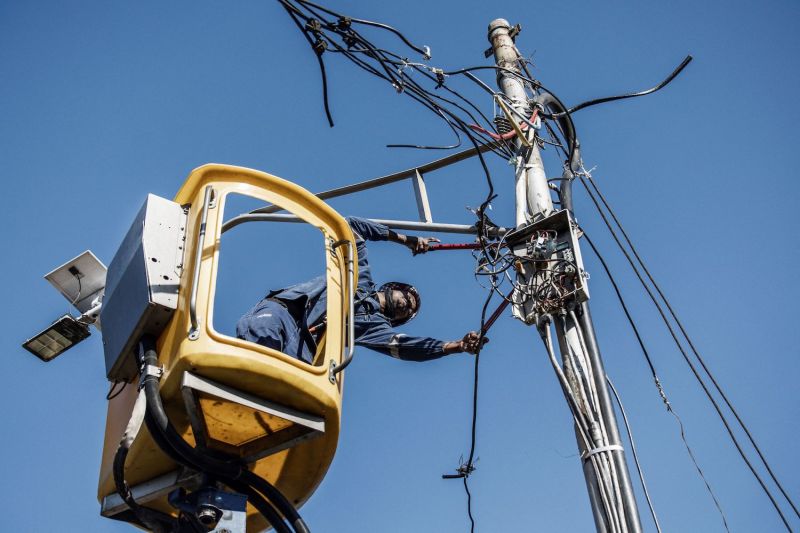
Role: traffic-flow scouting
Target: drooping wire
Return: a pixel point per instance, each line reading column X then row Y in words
column 113, row 391
column 658, row 385
column 686, row 358
column 657, row 381
column 660, row 86
column 689, row 341
column 425, row 52
column 386, row 63
column 292, row 13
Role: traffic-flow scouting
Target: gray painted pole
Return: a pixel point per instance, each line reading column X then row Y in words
column 533, row 202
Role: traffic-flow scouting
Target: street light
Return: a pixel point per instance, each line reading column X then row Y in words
column 62, row 335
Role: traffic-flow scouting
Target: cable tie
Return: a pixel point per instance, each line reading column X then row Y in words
column 609, row 448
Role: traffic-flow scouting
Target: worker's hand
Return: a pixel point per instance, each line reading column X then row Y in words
column 419, row 245
column 470, row 342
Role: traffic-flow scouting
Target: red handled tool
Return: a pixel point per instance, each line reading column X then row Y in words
column 465, row 246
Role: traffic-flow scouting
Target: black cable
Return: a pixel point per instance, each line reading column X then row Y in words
column 156, row 521
column 402, row 37
column 321, row 63
column 262, row 505
column 469, row 505
column 113, row 392
column 691, row 343
column 661, row 85
column 686, row 358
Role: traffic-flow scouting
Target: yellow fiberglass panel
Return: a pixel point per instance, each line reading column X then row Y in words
column 296, row 200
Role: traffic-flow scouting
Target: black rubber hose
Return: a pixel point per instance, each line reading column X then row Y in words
column 259, row 502
column 187, row 455
column 152, row 519
column 565, row 190
column 551, row 102
column 277, row 498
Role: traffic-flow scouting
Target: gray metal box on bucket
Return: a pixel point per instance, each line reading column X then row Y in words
column 142, row 283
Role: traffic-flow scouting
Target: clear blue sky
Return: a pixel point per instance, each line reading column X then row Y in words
column 103, row 102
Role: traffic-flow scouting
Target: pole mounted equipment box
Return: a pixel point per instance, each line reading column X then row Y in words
column 142, row 283
column 549, row 266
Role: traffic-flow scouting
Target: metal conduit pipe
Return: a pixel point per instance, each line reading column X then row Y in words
column 631, row 508
column 186, row 455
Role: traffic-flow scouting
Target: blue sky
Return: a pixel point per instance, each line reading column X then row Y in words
column 103, row 102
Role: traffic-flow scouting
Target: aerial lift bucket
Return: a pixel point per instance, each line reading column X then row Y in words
column 279, row 415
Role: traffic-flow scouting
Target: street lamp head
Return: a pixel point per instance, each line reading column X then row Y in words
column 60, row 336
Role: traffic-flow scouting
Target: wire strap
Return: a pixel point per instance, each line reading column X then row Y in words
column 611, row 447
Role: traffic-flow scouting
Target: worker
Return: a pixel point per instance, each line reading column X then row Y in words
column 290, row 320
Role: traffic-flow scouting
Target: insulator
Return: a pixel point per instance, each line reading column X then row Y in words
column 502, row 124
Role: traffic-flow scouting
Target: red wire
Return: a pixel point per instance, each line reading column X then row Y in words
column 508, row 135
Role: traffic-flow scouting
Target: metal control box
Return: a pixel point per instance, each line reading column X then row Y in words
column 142, row 283
column 550, row 271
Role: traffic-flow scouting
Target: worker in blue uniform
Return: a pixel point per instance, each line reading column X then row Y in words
column 289, row 319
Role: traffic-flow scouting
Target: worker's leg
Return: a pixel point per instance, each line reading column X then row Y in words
column 270, row 324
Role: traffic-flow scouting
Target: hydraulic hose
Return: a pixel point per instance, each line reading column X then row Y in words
column 259, row 502
column 180, row 451
column 263, row 506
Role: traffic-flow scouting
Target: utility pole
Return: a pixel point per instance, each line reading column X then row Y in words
column 546, row 245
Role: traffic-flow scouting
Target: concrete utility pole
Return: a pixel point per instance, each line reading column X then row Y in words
column 544, row 236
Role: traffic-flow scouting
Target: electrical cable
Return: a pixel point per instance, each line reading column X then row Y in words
column 635, row 454
column 612, row 519
column 691, row 365
column 689, row 340
column 321, row 63
column 657, row 381
column 661, row 85
column 113, row 392
column 423, row 51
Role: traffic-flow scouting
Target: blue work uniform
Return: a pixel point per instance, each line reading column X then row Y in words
column 282, row 319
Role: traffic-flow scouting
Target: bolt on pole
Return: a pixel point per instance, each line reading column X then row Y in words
column 583, row 376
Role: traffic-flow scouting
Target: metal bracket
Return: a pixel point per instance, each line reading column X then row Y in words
column 150, row 370
column 421, row 193
column 150, row 490
column 303, row 426
column 332, row 372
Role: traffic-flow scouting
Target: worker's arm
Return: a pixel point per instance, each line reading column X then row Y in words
column 469, row 343
column 368, row 230
column 383, row 338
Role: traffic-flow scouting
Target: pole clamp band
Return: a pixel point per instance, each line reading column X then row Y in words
column 611, row 447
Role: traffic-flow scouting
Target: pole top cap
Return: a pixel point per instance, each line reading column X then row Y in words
column 497, row 24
